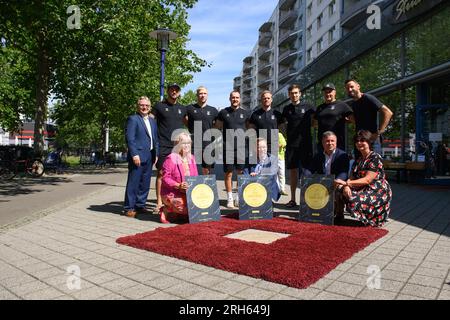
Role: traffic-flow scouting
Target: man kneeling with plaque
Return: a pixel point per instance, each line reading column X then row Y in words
column 332, row 161
column 267, row 164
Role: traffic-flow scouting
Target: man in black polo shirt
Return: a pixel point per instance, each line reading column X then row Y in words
column 265, row 120
column 234, row 154
column 365, row 111
column 298, row 116
column 170, row 116
column 205, row 116
column 331, row 116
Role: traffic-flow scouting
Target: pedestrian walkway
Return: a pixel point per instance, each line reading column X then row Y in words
column 43, row 257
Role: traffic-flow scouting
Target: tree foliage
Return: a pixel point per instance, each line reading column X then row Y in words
column 96, row 71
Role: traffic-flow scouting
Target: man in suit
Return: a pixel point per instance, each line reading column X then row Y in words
column 332, row 161
column 142, row 140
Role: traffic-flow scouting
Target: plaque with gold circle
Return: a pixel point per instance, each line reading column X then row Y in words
column 317, row 196
column 255, row 195
column 202, row 196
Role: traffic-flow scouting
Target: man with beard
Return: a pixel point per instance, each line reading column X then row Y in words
column 170, row 117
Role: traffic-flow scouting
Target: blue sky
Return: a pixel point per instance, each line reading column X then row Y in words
column 223, row 32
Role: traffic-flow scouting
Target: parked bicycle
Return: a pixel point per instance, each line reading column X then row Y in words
column 19, row 159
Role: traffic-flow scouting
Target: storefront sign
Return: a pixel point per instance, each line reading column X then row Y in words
column 404, row 10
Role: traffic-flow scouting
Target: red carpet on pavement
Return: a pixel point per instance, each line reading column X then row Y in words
column 309, row 253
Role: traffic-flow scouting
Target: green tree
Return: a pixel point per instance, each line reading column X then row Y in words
column 190, row 97
column 98, row 68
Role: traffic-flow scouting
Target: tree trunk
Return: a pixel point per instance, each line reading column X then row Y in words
column 42, row 90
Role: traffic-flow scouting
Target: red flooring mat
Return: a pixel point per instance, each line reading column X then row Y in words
column 309, row 253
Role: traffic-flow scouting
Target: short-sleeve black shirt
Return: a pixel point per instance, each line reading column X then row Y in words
column 168, row 118
column 267, row 120
column 207, row 115
column 365, row 111
column 298, row 125
column 331, row 117
column 233, row 119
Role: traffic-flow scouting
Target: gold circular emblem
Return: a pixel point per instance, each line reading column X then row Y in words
column 317, row 196
column 255, row 195
column 202, row 196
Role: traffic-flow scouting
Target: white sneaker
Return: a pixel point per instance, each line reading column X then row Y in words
column 230, row 204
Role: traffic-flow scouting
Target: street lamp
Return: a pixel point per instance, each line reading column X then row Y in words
column 163, row 36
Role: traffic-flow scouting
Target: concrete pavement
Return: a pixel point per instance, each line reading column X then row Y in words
column 69, row 252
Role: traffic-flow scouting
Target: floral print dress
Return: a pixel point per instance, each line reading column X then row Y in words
column 371, row 204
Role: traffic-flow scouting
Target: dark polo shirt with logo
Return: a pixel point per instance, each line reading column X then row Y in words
column 168, row 118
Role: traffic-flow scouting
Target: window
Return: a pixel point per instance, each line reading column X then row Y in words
column 331, row 34
column 309, row 55
column 309, row 10
column 332, row 8
column 309, row 32
column 319, row 21
column 320, row 45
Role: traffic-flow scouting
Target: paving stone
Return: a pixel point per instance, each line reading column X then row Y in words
column 351, row 278
column 161, row 295
column 331, row 296
column 103, row 277
column 128, row 269
column 322, row 284
column 7, row 295
column 408, row 297
column 206, row 280
column 222, row 274
column 46, row 294
column 426, row 281
column 303, row 294
column 138, row 292
column 208, row 295
column 271, row 286
column 144, row 276
column 279, row 296
column 163, row 282
column 401, row 276
column 246, row 279
column 30, row 287
column 230, row 287
column 368, row 294
column 346, row 289
column 253, row 293
column 118, row 285
column 185, row 290
column 400, row 267
column 16, row 280
column 91, row 293
column 444, row 295
column 420, row 291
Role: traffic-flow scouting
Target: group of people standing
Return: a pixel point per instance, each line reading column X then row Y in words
column 151, row 136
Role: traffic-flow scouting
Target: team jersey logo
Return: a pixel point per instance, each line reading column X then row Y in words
column 167, row 109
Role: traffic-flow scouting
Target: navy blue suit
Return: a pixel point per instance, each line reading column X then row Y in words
column 139, row 144
column 340, row 164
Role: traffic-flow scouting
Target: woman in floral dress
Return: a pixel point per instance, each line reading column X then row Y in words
column 367, row 193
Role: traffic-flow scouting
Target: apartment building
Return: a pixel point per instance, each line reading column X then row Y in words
column 278, row 54
column 322, row 26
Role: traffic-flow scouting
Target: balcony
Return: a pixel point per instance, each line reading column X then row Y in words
column 288, row 57
column 237, row 82
column 247, row 88
column 264, row 38
column 246, row 101
column 288, row 18
column 286, row 74
column 266, row 27
column 265, row 68
column 264, row 53
column 354, row 13
column 287, row 4
column 247, row 78
column 248, row 59
column 288, row 36
column 265, row 81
